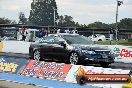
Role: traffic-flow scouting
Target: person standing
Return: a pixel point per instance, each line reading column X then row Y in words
column 31, row 37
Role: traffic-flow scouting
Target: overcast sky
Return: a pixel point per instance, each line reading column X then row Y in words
column 82, row 11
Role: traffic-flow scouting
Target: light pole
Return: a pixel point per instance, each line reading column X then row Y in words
column 118, row 4
column 54, row 16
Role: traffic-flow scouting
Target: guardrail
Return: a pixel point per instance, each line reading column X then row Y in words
column 54, row 71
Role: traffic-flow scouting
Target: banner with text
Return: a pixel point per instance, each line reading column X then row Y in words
column 12, row 64
column 71, row 76
column 43, row 69
column 121, row 53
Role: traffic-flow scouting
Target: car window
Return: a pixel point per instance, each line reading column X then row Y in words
column 48, row 39
column 77, row 39
column 58, row 39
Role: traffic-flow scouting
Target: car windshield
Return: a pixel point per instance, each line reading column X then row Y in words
column 98, row 35
column 77, row 39
column 45, row 39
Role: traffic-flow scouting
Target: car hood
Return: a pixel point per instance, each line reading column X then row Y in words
column 90, row 47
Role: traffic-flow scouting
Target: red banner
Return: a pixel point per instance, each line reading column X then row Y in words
column 46, row 70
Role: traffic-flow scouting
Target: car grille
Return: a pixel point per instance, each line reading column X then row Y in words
column 102, row 52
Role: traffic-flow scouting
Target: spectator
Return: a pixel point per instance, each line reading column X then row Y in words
column 23, row 36
column 31, row 37
column 58, row 31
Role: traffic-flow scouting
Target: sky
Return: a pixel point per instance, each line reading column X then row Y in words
column 82, row 11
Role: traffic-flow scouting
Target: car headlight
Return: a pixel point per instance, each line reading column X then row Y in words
column 89, row 52
column 110, row 52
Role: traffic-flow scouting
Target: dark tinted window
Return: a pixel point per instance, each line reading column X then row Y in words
column 47, row 39
column 77, row 39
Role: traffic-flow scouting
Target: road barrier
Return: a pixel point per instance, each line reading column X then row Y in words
column 55, row 71
column 15, row 47
column 1, row 46
column 47, row 70
column 128, row 85
column 71, row 76
column 121, row 53
column 67, row 73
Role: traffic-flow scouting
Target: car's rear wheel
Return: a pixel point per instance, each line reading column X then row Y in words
column 36, row 55
column 100, row 40
column 104, row 65
column 74, row 59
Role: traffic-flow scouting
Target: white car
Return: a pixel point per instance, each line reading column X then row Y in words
column 97, row 37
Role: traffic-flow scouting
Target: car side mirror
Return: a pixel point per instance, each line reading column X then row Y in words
column 63, row 44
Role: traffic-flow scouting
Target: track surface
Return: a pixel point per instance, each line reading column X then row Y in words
column 40, row 82
column 9, row 84
column 49, row 83
column 116, row 65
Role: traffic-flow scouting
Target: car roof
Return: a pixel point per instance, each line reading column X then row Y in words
column 59, row 34
column 33, row 30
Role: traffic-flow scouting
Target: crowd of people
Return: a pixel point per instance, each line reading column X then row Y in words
column 31, row 35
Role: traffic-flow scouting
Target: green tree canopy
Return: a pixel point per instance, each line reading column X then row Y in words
column 43, row 12
column 125, row 23
column 4, row 20
column 22, row 18
column 98, row 25
column 67, row 21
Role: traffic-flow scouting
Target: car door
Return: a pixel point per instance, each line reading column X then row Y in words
column 60, row 52
column 47, row 48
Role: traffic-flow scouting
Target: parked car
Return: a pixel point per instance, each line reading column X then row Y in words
column 97, row 37
column 70, row 48
column 5, row 38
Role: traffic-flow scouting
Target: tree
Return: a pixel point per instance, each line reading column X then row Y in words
column 67, row 21
column 43, row 12
column 125, row 23
column 6, row 21
column 22, row 18
column 98, row 25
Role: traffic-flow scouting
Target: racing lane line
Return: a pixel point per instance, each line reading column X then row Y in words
column 40, row 82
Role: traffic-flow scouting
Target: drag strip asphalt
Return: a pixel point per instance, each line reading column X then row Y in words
column 40, row 82
column 116, row 65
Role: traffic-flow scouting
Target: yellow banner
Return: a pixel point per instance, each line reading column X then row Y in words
column 1, row 46
column 129, row 85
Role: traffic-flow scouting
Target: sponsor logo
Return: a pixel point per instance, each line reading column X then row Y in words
column 8, row 67
column 120, row 53
column 46, row 70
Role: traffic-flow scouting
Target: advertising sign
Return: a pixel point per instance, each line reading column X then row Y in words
column 1, row 46
column 71, row 76
column 12, row 65
column 46, row 70
column 121, row 53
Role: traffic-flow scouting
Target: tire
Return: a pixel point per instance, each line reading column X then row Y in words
column 36, row 55
column 100, row 40
column 81, row 80
column 104, row 65
column 73, row 58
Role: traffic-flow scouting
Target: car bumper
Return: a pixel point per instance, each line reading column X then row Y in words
column 108, row 60
column 98, row 58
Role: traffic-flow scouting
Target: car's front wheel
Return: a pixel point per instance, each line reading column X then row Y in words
column 36, row 55
column 74, row 59
column 81, row 80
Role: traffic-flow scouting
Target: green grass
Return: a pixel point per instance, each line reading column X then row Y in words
column 114, row 42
